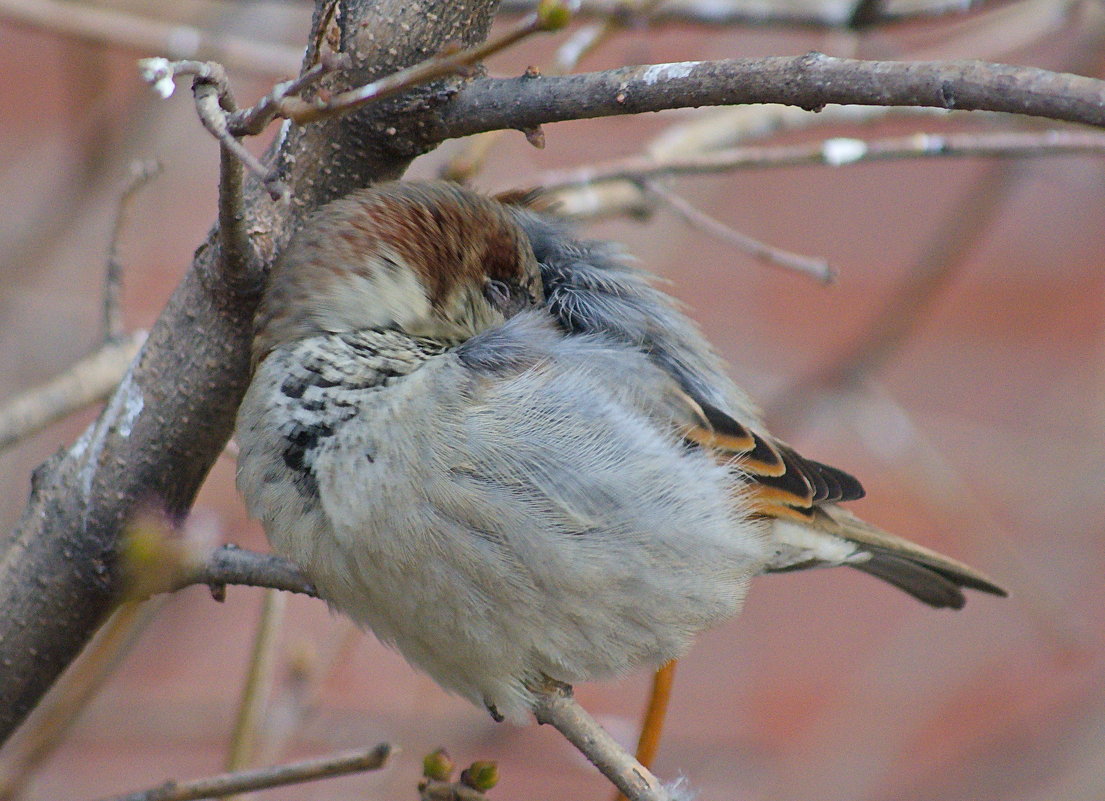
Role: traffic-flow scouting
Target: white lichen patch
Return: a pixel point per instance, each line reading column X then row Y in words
column 666, row 72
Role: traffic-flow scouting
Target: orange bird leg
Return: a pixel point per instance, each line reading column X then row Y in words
column 652, row 725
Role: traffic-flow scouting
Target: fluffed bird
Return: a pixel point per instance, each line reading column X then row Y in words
column 510, row 456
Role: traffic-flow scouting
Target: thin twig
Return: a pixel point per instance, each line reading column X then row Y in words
column 555, row 705
column 85, row 382
column 251, row 121
column 263, row 778
column 45, row 729
column 214, row 103
column 150, row 35
column 463, row 166
column 439, row 66
column 142, row 172
column 588, row 38
column 225, row 122
column 836, row 152
column 818, row 269
column 255, row 691
column 210, row 97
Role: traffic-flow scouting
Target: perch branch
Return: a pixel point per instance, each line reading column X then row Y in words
column 263, row 778
column 811, row 82
column 555, row 706
column 232, row 565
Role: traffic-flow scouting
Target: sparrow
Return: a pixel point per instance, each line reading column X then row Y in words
column 503, row 450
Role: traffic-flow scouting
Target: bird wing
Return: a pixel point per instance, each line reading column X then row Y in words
column 589, row 288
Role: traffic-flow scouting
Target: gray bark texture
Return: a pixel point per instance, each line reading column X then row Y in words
column 159, row 435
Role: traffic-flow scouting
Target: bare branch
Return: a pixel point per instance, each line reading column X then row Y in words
column 233, row 565
column 470, row 160
column 258, row 684
column 149, row 35
column 556, row 706
column 446, row 63
column 88, row 381
column 142, row 172
column 253, row 120
column 263, row 778
column 51, row 720
column 837, row 152
column 214, row 104
column 171, row 416
column 818, row 269
column 811, row 82
column 712, row 13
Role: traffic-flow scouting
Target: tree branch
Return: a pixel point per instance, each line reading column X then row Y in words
column 174, row 410
column 835, row 152
column 148, row 35
column 233, row 565
column 141, row 173
column 556, row 707
column 450, row 62
column 262, row 778
column 809, row 266
column 811, row 82
column 713, row 13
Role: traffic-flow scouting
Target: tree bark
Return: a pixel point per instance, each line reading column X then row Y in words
column 811, row 82
column 160, row 433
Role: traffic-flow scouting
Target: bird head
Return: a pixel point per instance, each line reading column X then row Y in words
column 433, row 260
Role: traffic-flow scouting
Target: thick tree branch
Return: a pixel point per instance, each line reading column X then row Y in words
column 712, row 13
column 174, row 410
column 811, row 81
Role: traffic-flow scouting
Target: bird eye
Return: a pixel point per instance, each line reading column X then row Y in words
column 497, row 294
